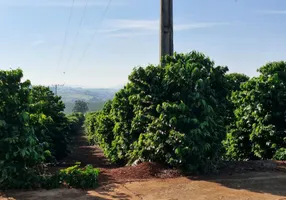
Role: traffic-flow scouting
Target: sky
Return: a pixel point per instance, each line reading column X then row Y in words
column 94, row 49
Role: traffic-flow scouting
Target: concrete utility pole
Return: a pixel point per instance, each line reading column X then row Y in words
column 166, row 28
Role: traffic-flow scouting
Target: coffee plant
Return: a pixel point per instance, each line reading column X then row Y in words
column 280, row 154
column 33, row 130
column 20, row 150
column 234, row 81
column 75, row 121
column 259, row 128
column 51, row 123
column 74, row 176
column 172, row 114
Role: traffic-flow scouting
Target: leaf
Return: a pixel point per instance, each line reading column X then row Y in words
column 2, row 123
column 23, row 152
column 25, row 116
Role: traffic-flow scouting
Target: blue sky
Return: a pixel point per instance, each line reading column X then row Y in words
column 241, row 34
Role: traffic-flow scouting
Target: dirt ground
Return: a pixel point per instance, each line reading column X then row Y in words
column 249, row 186
column 149, row 181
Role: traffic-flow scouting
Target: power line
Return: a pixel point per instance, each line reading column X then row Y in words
column 66, row 33
column 76, row 37
column 56, row 88
column 100, row 21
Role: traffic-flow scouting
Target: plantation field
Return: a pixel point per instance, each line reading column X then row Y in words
column 148, row 141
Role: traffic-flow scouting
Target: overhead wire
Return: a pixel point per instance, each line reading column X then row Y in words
column 77, row 34
column 92, row 38
column 66, row 33
column 93, row 35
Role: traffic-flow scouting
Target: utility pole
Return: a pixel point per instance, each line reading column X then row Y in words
column 56, row 88
column 166, row 28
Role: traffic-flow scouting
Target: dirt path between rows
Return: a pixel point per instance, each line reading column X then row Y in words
column 267, row 187
column 82, row 152
column 152, row 182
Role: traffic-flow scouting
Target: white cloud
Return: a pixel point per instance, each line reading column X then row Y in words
column 127, row 28
column 124, row 24
column 129, row 34
column 273, row 12
column 56, row 3
column 37, row 42
column 182, row 27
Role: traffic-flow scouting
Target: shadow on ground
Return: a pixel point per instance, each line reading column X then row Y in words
column 267, row 177
column 82, row 152
column 104, row 193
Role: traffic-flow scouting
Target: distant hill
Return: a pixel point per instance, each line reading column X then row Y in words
column 95, row 97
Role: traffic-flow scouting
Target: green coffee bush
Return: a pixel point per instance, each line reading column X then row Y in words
column 280, row 154
column 76, row 177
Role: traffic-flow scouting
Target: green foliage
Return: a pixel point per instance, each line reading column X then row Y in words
column 76, row 177
column 280, row 154
column 85, row 178
column 80, row 106
column 52, row 125
column 234, row 81
column 33, row 130
column 177, row 114
column 172, row 114
column 259, row 127
column 89, row 125
column 76, row 121
column 99, row 127
column 20, row 150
